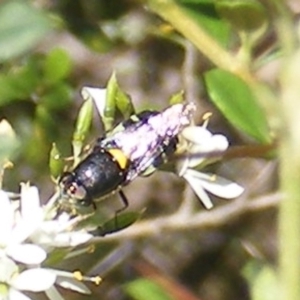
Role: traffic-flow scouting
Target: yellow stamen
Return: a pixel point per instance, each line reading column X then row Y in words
column 97, row 280
column 206, row 117
column 78, row 275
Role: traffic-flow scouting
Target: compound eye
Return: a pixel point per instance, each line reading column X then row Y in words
column 76, row 191
column 72, row 188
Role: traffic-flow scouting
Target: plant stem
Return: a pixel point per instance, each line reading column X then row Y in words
column 181, row 21
column 204, row 219
column 289, row 210
column 289, row 213
column 289, row 224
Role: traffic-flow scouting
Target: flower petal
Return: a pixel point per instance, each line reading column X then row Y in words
column 199, row 191
column 216, row 185
column 53, row 294
column 16, row 295
column 204, row 139
column 31, row 214
column 201, row 142
column 71, row 239
column 55, row 233
column 73, row 284
column 97, row 95
column 195, row 159
column 196, row 134
column 23, row 229
column 35, row 280
column 217, row 143
column 7, row 269
column 46, row 233
column 220, row 142
column 30, row 200
column 6, row 218
column 27, row 253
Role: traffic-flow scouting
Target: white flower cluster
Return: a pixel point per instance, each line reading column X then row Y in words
column 28, row 234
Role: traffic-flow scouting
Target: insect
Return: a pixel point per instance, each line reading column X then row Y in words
column 135, row 147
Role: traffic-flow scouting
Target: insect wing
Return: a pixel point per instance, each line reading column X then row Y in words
column 137, row 141
column 146, row 141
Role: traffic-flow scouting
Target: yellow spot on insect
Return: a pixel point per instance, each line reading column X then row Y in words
column 119, row 156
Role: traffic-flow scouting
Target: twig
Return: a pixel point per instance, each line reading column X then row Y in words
column 201, row 220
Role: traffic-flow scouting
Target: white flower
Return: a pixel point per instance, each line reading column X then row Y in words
column 73, row 281
column 202, row 149
column 70, row 281
column 28, row 233
column 14, row 249
column 50, row 231
column 14, row 281
column 14, row 230
column 98, row 95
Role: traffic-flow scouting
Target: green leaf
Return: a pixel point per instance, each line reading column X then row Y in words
column 82, row 127
column 57, row 66
column 243, row 15
column 9, row 142
column 177, row 98
column 119, row 98
column 145, row 289
column 119, row 222
column 116, row 98
column 19, row 84
column 237, row 103
column 110, row 107
column 21, row 27
column 58, row 97
column 56, row 256
column 204, row 13
column 56, row 163
column 8, row 90
column 124, row 103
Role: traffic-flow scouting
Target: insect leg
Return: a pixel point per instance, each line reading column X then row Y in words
column 108, row 227
column 125, row 205
column 124, row 201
